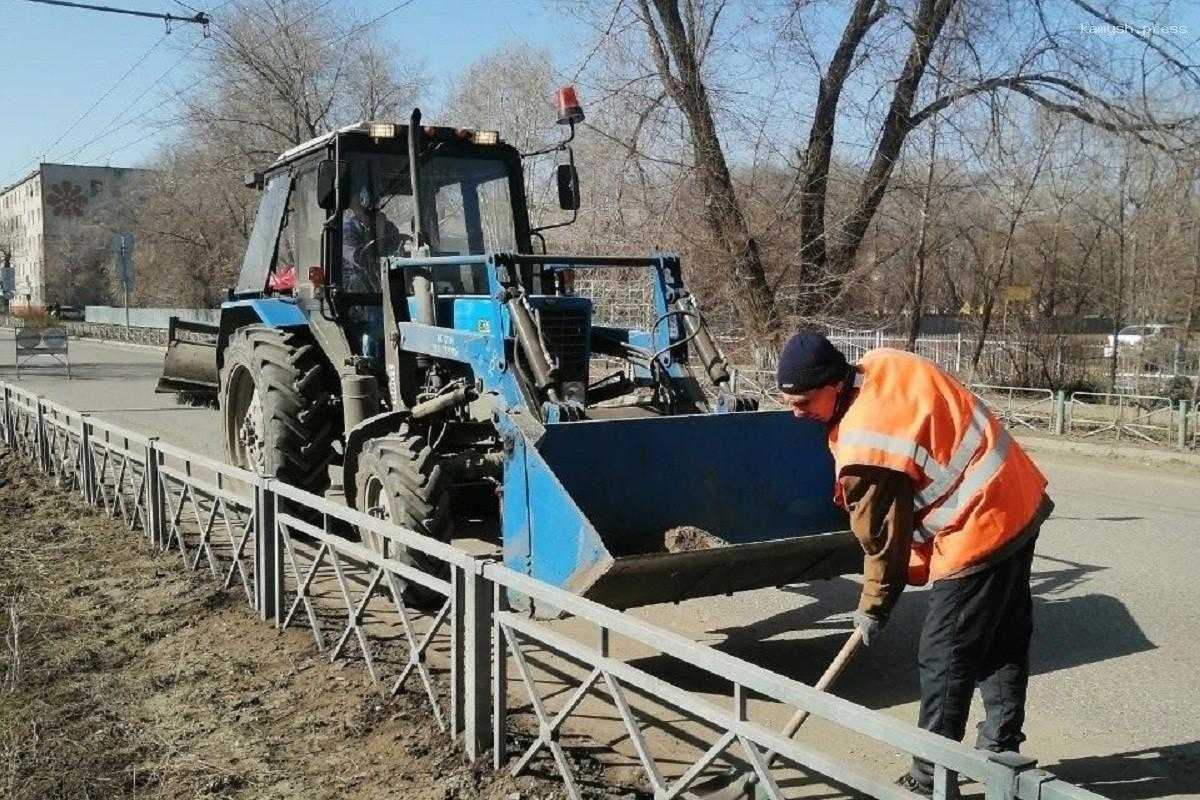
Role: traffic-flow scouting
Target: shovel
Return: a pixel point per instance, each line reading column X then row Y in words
column 734, row 785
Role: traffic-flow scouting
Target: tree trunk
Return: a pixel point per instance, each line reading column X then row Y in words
column 931, row 17
column 722, row 214
column 814, row 172
column 1189, row 321
column 1119, row 289
column 917, row 290
column 1193, row 305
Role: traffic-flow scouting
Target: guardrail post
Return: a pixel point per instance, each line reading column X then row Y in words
column 1059, row 421
column 43, row 456
column 268, row 558
column 1181, row 432
column 958, row 352
column 9, row 438
column 499, row 681
column 471, row 647
column 155, row 509
column 87, row 481
column 458, row 658
column 1004, row 774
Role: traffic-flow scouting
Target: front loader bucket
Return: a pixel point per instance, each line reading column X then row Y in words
column 600, row 495
column 191, row 361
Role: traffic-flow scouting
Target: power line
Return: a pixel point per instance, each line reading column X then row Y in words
column 112, row 126
column 109, row 129
column 107, row 92
column 369, row 23
column 125, row 146
column 84, row 115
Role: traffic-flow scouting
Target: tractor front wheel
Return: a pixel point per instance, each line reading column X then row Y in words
column 400, row 480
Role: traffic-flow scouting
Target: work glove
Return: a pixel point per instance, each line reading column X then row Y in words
column 869, row 626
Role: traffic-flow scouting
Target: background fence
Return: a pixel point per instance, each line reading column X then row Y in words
column 295, row 558
column 1154, row 420
column 1084, row 363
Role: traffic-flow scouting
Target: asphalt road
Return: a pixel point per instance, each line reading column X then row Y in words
column 1114, row 701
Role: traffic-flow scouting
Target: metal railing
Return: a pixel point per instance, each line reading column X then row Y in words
column 949, row 351
column 1019, row 407
column 294, row 558
column 1190, row 431
column 1143, row 417
column 1147, row 419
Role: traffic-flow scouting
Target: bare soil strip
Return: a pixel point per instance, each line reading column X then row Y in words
column 121, row 676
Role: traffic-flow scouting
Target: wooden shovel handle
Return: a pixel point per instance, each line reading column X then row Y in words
column 828, row 677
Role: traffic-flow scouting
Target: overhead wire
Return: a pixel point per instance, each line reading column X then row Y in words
column 112, row 127
column 126, row 146
column 369, row 23
column 115, row 124
column 107, row 92
column 49, row 150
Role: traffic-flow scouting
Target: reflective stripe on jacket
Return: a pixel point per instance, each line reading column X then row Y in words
column 976, row 489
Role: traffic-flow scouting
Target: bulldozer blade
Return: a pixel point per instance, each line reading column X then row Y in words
column 190, row 364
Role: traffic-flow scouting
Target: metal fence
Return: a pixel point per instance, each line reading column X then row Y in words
column 1083, row 362
column 1144, row 418
column 294, row 558
column 1022, row 408
column 1137, row 419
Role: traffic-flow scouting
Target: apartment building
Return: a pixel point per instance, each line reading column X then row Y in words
column 56, row 229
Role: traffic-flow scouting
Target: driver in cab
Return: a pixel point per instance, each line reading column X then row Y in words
column 367, row 235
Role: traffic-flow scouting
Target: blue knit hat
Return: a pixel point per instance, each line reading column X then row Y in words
column 809, row 361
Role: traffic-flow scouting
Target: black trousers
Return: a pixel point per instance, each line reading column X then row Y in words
column 977, row 633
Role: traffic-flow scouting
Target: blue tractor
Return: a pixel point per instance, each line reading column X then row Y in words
column 395, row 338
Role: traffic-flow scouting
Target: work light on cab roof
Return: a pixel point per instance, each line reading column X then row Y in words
column 567, row 102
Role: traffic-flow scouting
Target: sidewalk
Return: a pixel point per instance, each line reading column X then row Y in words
column 1044, row 442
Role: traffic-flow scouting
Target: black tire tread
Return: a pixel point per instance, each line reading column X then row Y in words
column 420, row 496
column 296, row 400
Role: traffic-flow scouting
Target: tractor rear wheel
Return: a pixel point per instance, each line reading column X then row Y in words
column 275, row 407
column 400, row 480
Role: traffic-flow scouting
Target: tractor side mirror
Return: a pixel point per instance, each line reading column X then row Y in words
column 328, row 179
column 568, row 187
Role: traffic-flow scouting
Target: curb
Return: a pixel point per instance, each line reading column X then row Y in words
column 1147, row 455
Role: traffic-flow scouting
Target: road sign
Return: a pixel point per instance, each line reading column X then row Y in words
column 123, row 259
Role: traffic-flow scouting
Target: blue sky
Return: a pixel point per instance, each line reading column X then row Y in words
column 55, row 63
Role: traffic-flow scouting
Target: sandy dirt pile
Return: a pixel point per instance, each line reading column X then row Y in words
column 122, row 678
column 687, row 538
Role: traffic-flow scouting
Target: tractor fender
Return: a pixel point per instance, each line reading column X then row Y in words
column 370, row 428
column 274, row 312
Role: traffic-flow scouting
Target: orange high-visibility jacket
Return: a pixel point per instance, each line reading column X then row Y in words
column 975, row 488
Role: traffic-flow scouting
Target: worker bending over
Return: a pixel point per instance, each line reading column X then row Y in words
column 938, row 493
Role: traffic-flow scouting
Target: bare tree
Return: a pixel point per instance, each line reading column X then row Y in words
column 1018, row 186
column 678, row 43
column 1043, row 65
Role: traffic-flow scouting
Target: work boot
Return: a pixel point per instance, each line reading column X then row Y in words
column 909, row 782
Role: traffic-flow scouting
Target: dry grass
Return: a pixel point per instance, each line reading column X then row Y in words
column 35, row 318
column 123, row 678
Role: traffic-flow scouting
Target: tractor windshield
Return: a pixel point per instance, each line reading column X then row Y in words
column 467, row 210
column 471, row 211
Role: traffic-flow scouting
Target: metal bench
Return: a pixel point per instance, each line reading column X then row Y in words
column 51, row 342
